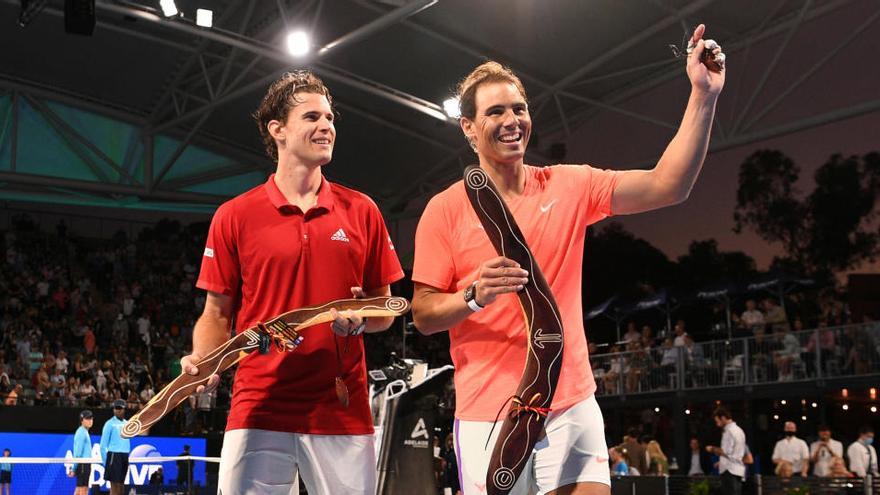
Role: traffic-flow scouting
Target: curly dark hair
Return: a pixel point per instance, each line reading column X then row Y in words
column 280, row 98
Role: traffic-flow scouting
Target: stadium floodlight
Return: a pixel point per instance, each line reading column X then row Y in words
column 298, row 43
column 451, row 107
column 204, row 18
column 169, row 8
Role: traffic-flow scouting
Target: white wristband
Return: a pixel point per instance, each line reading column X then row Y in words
column 474, row 305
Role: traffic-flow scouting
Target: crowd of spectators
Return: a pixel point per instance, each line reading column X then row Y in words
column 778, row 346
column 84, row 322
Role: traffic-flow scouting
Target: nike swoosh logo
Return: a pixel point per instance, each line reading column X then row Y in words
column 546, row 208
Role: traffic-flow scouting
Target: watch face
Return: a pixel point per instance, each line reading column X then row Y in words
column 469, row 293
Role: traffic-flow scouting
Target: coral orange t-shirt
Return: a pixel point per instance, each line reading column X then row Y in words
column 489, row 347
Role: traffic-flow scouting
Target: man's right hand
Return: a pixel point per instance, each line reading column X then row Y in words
column 499, row 276
column 187, row 364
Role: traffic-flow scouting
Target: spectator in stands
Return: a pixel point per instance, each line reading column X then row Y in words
column 640, row 365
column 838, row 469
column 793, row 450
column 774, row 316
column 634, row 452
column 13, row 398
column 821, row 342
column 680, row 334
column 823, row 451
column 698, row 462
column 61, row 362
column 632, row 334
column 647, row 339
column 5, row 474
column 619, row 466
column 862, row 352
column 659, row 465
column 784, row 469
column 58, row 383
column 752, row 317
column 730, row 453
column 450, row 479
column 789, row 355
column 611, row 377
column 862, row 454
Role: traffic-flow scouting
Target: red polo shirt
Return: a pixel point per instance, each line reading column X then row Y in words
column 271, row 258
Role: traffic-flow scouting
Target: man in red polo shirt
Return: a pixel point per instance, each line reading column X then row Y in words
column 297, row 240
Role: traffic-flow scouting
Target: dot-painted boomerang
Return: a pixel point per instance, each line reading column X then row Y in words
column 283, row 331
column 524, row 422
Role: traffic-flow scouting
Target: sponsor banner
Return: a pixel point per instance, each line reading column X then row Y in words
column 52, row 478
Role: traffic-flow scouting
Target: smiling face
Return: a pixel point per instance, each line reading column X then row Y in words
column 502, row 125
column 308, row 134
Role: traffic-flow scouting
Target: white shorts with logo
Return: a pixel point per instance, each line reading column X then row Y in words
column 572, row 451
column 262, row 462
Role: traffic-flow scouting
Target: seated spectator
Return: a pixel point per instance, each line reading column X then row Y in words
column 631, row 334
column 838, row 469
column 774, row 316
column 640, row 365
column 821, row 342
column 790, row 353
column 12, row 399
column 752, row 317
column 784, row 469
column 680, row 334
column 647, row 338
column 618, row 463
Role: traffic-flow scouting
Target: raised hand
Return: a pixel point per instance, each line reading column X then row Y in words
column 706, row 76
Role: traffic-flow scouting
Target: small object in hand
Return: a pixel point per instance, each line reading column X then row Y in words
column 265, row 343
column 713, row 62
column 341, row 392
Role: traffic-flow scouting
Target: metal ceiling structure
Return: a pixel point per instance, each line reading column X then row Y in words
column 153, row 112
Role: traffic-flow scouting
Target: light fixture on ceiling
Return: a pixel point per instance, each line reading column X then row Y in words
column 204, row 18
column 452, row 107
column 169, row 8
column 298, row 43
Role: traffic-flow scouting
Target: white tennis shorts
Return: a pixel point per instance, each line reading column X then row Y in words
column 262, row 462
column 572, row 451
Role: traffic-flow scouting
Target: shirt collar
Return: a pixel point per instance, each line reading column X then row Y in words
column 325, row 195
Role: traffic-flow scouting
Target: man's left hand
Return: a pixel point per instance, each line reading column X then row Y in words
column 703, row 78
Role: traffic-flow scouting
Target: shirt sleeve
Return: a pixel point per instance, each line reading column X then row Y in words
column 596, row 186
column 433, row 262
column 221, row 269
column 382, row 265
column 856, row 464
column 777, row 451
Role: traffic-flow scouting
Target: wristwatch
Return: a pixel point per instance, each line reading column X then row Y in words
column 470, row 297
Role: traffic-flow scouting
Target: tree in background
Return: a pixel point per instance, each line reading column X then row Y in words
column 704, row 265
column 828, row 231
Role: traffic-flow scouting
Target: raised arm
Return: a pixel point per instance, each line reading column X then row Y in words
column 672, row 178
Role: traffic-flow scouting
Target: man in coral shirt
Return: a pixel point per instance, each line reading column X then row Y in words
column 462, row 285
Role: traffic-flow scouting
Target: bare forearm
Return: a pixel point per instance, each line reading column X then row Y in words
column 680, row 164
column 435, row 312
column 209, row 333
column 375, row 325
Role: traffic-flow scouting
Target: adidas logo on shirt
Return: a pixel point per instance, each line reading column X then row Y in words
column 339, row 235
